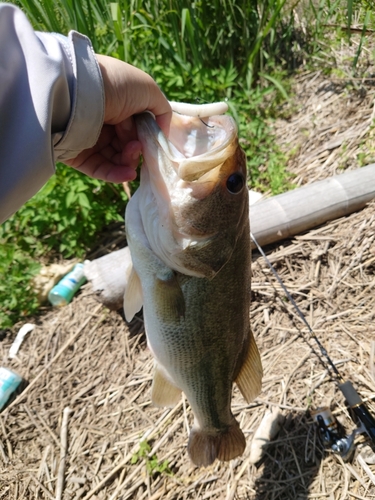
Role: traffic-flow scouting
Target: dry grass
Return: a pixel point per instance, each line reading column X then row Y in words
column 85, row 358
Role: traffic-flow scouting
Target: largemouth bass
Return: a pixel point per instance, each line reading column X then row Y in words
column 188, row 231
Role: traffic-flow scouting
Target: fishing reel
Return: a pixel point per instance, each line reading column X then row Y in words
column 332, row 433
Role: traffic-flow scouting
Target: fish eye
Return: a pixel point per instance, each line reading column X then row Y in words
column 235, row 183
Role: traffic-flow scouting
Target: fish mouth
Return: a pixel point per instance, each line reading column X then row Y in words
column 178, row 175
column 195, row 146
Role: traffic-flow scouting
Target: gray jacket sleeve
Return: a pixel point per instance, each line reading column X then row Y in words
column 51, row 105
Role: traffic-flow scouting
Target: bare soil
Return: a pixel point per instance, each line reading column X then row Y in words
column 86, row 358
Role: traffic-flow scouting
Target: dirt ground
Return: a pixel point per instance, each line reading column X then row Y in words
column 86, row 358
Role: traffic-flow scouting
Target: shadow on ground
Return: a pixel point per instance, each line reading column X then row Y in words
column 291, row 463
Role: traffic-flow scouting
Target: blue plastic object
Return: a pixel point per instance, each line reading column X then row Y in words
column 62, row 293
column 9, row 381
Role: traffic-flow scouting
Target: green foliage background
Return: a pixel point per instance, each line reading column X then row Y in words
column 201, row 51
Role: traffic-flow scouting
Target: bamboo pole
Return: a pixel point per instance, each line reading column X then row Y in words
column 293, row 212
column 272, row 219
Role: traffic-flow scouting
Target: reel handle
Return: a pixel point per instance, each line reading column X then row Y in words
column 358, row 407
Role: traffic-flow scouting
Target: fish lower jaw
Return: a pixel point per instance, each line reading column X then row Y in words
column 205, row 446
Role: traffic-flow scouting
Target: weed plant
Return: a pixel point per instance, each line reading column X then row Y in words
column 202, row 51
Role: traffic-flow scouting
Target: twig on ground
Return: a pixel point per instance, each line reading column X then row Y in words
column 63, row 453
column 366, row 468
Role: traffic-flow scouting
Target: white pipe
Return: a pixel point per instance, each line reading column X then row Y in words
column 285, row 215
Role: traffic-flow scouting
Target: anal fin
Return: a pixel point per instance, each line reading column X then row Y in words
column 249, row 379
column 163, row 392
column 133, row 298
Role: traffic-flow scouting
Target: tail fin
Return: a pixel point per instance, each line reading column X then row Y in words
column 205, row 447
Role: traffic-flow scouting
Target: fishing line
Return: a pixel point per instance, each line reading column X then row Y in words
column 358, row 407
column 204, row 123
column 200, row 101
column 299, row 312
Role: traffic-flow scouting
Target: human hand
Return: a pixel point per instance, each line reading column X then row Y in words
column 128, row 91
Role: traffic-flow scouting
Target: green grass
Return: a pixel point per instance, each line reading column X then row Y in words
column 242, row 51
column 64, row 218
column 185, row 34
column 65, row 215
column 16, row 294
column 153, row 466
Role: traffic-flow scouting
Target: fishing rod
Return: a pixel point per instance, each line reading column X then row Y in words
column 331, row 431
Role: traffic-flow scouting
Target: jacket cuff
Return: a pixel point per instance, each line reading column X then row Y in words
column 87, row 108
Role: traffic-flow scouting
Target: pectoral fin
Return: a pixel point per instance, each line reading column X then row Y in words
column 169, row 294
column 249, row 379
column 163, row 392
column 133, row 298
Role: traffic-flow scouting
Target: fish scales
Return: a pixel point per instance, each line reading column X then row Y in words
column 188, row 232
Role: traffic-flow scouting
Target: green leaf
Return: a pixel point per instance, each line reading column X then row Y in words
column 83, row 200
column 71, row 198
column 277, row 84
